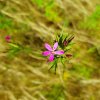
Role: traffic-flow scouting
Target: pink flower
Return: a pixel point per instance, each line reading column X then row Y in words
column 52, row 51
column 8, row 38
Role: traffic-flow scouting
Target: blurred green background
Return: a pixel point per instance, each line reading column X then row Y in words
column 24, row 73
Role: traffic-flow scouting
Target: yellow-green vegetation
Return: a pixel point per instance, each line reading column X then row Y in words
column 24, row 73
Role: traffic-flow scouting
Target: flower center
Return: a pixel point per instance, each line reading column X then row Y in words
column 53, row 52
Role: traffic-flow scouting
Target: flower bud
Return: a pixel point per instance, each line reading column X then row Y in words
column 68, row 55
column 65, row 43
column 8, row 38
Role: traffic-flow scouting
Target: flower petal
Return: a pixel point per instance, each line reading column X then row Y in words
column 48, row 47
column 55, row 46
column 46, row 53
column 60, row 52
column 51, row 58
